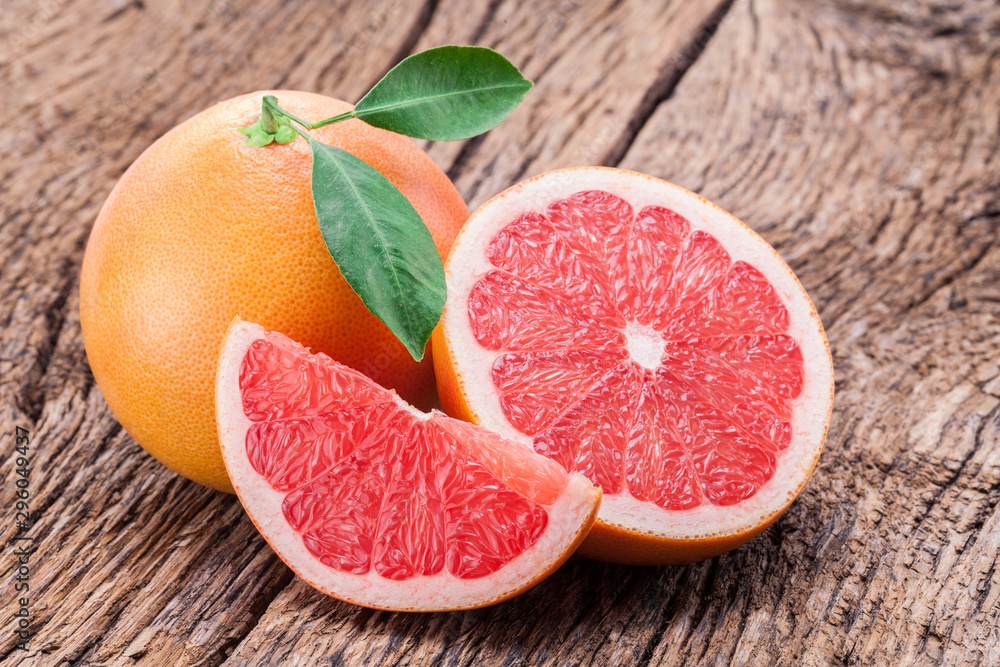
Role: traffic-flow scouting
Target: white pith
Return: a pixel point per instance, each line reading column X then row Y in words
column 568, row 517
column 645, row 345
column 468, row 262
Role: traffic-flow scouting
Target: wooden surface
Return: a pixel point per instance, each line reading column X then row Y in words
column 861, row 138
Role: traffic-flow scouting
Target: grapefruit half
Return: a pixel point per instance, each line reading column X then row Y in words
column 373, row 502
column 638, row 334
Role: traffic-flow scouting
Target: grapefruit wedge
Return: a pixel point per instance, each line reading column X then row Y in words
column 373, row 502
column 640, row 335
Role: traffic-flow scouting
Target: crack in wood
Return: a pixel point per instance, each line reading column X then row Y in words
column 951, row 277
column 907, row 114
column 666, row 82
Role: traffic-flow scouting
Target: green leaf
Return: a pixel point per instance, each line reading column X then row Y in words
column 447, row 93
column 381, row 245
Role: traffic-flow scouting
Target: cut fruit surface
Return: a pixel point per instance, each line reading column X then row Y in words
column 373, row 502
column 638, row 334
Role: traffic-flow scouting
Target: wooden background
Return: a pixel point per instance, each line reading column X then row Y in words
column 860, row 137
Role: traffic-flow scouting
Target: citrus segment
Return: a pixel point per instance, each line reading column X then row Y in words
column 291, row 452
column 536, row 387
column 744, row 303
column 531, row 248
column 533, row 477
column 668, row 354
column 277, row 382
column 590, row 438
column 510, row 313
column 652, row 247
column 345, row 480
column 595, row 222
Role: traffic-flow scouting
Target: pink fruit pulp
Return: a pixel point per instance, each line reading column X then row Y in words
column 636, row 352
column 372, row 486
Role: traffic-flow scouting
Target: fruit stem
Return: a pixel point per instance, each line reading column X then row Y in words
column 270, row 104
column 268, row 121
column 269, row 111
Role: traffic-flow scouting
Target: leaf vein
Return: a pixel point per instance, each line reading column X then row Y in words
column 412, row 101
column 383, row 242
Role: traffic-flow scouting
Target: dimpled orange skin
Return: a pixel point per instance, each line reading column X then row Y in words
column 202, row 228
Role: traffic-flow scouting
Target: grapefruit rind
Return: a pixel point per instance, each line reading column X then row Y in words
column 570, row 518
column 153, row 309
column 467, row 391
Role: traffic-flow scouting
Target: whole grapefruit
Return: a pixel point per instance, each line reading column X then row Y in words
column 202, row 228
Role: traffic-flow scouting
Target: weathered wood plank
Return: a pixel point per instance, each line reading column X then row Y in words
column 134, row 564
column 855, row 137
column 599, row 68
column 859, row 138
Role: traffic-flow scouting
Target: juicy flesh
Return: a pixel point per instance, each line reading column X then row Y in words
column 633, row 350
column 372, row 486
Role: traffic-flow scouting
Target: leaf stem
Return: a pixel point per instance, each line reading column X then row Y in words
column 347, row 115
column 270, row 107
column 302, row 131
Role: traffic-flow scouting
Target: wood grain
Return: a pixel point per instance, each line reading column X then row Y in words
column 860, row 145
column 860, row 138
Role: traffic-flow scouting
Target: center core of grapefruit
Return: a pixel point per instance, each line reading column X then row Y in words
column 645, row 345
